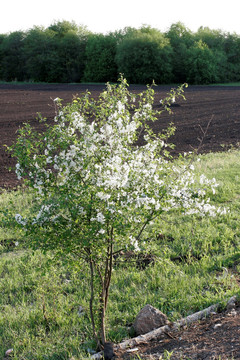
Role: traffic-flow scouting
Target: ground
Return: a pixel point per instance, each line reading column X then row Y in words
column 214, row 338
column 216, row 109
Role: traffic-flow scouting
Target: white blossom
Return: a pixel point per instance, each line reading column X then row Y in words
column 43, row 215
column 18, row 171
column 103, row 196
column 134, row 243
column 19, row 219
column 147, row 106
column 120, row 106
column 99, row 218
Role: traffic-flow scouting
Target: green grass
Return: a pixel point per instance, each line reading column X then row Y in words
column 40, row 297
column 13, row 82
column 227, row 84
column 16, row 82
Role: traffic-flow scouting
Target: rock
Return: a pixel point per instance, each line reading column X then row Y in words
column 9, row 352
column 108, row 351
column 148, row 319
column 81, row 311
column 231, row 304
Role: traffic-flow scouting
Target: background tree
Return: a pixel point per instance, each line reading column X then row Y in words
column 71, row 44
column 145, row 55
column 56, row 54
column 232, row 50
column 71, row 52
column 215, row 40
column 201, row 64
column 66, row 52
column 61, row 28
column 181, row 38
column 100, row 58
column 12, row 56
column 41, row 53
column 2, row 37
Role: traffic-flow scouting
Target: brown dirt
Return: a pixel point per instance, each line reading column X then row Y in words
column 21, row 103
column 210, row 338
column 215, row 338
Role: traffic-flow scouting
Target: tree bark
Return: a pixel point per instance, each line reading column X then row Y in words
column 91, row 303
column 102, row 318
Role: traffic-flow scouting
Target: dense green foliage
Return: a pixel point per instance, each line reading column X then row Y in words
column 100, row 54
column 65, row 52
column 145, row 55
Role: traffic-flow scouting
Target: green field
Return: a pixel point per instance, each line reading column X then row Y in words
column 44, row 303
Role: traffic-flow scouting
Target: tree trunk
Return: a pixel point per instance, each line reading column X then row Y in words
column 105, row 291
column 91, row 304
column 102, row 318
column 104, row 275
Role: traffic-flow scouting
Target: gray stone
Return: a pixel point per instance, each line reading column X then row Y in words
column 231, row 304
column 148, row 319
column 81, row 311
column 108, row 351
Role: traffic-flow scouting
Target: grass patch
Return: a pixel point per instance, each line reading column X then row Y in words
column 44, row 301
column 227, row 84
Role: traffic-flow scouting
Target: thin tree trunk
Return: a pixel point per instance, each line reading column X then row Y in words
column 102, row 318
column 105, row 287
column 91, row 303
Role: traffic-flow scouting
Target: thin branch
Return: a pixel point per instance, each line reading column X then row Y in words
column 118, row 251
column 144, row 225
column 204, row 132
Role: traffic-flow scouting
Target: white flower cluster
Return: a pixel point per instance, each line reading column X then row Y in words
column 134, row 243
column 20, row 220
column 184, row 193
column 18, row 171
column 43, row 215
column 99, row 218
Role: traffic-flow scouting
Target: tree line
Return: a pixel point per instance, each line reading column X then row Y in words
column 65, row 52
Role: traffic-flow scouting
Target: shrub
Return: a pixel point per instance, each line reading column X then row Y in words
column 95, row 191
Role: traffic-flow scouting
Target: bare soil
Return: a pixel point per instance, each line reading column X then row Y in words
column 218, row 107
column 214, row 338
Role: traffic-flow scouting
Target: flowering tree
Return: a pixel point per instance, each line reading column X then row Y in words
column 96, row 190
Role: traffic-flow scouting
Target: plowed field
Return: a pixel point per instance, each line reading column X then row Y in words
column 218, row 107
